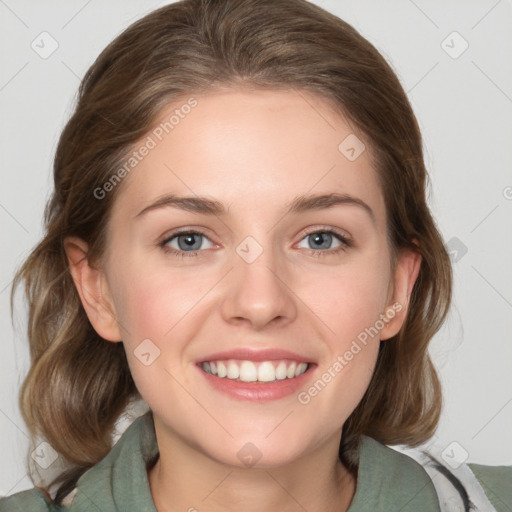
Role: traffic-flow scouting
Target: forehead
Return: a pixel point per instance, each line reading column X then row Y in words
column 250, row 148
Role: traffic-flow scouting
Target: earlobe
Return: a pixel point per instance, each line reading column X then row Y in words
column 92, row 288
column 406, row 272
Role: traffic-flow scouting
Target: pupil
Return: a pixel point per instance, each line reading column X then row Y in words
column 188, row 241
column 322, row 237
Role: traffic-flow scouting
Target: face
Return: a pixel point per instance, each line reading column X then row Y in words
column 260, row 288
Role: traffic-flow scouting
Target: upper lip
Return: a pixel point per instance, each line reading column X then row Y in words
column 251, row 354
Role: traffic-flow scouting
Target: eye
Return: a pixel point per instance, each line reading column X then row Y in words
column 186, row 243
column 320, row 242
column 189, row 243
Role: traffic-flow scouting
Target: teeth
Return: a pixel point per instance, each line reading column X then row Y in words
column 249, row 371
column 281, row 371
column 221, row 369
column 266, row 372
column 233, row 370
column 301, row 368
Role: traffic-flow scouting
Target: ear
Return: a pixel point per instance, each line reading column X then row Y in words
column 406, row 272
column 93, row 289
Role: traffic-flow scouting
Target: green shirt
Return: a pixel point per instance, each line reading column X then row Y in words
column 387, row 481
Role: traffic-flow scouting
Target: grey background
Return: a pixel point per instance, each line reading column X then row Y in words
column 464, row 107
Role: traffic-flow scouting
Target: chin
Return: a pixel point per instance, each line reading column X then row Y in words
column 258, row 452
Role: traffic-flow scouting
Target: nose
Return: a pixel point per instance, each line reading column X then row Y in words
column 258, row 293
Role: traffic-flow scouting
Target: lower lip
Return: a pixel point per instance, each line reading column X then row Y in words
column 258, row 391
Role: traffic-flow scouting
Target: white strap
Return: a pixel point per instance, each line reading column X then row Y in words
column 448, row 483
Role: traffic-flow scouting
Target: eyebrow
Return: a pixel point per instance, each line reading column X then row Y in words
column 206, row 206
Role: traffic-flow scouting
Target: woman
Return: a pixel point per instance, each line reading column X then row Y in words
column 239, row 238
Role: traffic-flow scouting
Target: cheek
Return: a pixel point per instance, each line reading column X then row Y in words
column 349, row 298
column 349, row 303
column 150, row 308
column 151, row 303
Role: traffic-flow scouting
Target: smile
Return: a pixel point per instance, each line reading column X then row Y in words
column 250, row 371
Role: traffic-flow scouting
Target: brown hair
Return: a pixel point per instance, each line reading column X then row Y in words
column 78, row 384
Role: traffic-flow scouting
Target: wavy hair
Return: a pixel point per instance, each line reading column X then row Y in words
column 78, row 384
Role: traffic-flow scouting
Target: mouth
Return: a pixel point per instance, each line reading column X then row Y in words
column 252, row 371
column 261, row 375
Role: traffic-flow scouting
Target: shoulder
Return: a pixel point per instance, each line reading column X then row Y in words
column 496, row 481
column 31, row 499
column 465, row 486
column 117, row 481
column 389, row 480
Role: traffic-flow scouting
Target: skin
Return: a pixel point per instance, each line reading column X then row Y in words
column 254, row 151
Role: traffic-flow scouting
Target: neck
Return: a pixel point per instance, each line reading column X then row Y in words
column 184, row 479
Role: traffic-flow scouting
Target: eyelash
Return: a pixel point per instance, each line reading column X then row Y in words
column 345, row 243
